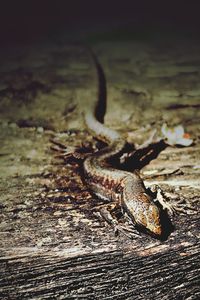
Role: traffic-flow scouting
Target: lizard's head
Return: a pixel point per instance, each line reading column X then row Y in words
column 145, row 214
column 152, row 216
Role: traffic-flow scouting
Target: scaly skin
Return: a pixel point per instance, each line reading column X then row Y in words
column 124, row 188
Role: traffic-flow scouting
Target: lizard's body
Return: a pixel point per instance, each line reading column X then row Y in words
column 124, row 188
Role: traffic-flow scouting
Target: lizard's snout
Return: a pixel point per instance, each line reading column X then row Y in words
column 153, row 220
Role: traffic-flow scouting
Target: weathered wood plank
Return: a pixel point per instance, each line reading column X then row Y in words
column 52, row 243
column 110, row 275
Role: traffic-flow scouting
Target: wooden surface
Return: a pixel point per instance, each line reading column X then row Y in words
column 53, row 244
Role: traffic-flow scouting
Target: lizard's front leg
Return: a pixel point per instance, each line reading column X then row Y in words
column 171, row 201
column 106, row 211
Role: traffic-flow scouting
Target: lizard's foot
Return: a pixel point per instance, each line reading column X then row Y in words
column 67, row 152
column 62, row 150
column 152, row 139
column 135, row 151
column 105, row 212
column 172, row 202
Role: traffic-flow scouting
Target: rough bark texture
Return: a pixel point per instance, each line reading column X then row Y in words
column 53, row 245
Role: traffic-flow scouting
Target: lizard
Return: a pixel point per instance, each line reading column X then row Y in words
column 119, row 187
column 123, row 188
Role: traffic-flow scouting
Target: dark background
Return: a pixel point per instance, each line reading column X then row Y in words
column 30, row 21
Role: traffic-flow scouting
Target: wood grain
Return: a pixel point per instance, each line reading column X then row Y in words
column 53, row 243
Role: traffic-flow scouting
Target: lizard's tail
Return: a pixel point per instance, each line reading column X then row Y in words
column 94, row 115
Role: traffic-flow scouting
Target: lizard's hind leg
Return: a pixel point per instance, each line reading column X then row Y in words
column 68, row 152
